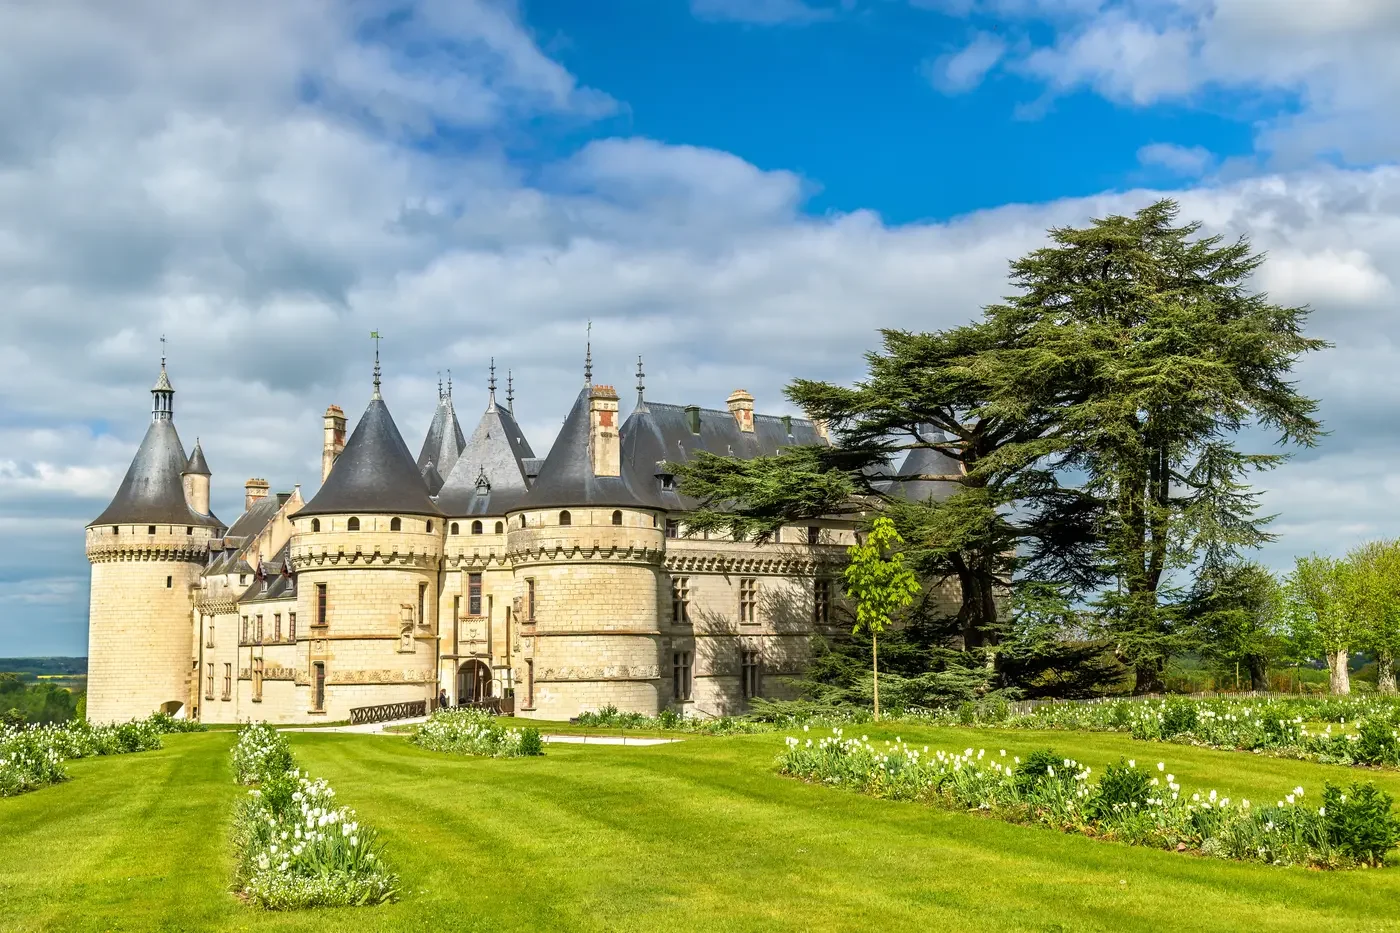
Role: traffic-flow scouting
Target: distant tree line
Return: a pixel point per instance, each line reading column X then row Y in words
column 41, row 702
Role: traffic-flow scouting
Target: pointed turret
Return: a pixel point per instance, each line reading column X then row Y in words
column 197, row 465
column 153, row 490
column 585, row 466
column 195, row 480
column 495, row 453
column 375, row 472
column 444, row 442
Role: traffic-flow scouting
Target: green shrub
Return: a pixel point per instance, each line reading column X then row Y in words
column 1038, row 765
column 530, row 742
column 1178, row 716
column 967, row 713
column 1359, row 822
column 1122, row 788
column 1377, row 742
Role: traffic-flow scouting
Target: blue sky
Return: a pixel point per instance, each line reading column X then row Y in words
column 741, row 191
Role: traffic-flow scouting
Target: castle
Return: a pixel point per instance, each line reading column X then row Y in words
column 560, row 584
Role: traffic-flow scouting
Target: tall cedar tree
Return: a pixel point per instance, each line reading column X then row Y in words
column 919, row 394
column 1155, row 355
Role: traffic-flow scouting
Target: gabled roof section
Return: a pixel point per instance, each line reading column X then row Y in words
column 496, row 453
column 444, row 442
column 375, row 473
column 152, row 491
column 566, row 477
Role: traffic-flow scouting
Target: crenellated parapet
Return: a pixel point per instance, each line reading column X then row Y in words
column 757, row 563
column 372, row 541
column 180, row 543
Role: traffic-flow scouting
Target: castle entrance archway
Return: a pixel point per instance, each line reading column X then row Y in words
column 473, row 682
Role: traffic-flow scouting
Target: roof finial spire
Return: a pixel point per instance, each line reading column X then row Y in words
column 641, row 386
column 588, row 357
column 510, row 392
column 491, row 387
column 449, row 385
column 439, row 385
column 376, row 397
column 162, row 351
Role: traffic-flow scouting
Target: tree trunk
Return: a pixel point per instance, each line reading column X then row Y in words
column 1341, row 678
column 1148, row 678
column 1258, row 672
column 1385, row 676
column 875, row 665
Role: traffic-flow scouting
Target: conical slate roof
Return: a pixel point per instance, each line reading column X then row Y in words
column 925, row 460
column 566, row 477
column 444, row 442
column 375, row 472
column 197, row 464
column 497, row 450
column 151, row 492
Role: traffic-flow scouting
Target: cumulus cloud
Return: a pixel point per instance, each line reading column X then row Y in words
column 167, row 171
column 1179, row 160
column 762, row 12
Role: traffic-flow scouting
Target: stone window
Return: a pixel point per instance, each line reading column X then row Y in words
column 277, row 626
column 680, row 676
column 422, row 603
column 353, row 524
column 476, row 528
column 500, row 527
column 680, row 600
column 814, row 535
column 473, row 594
column 395, row 524
column 242, row 579
column 430, row 526
column 257, row 679
column 291, row 626
column 456, row 528
column 530, row 602
column 228, row 682
column 565, row 518
column 530, row 682
column 617, row 516
column 748, row 600
column 522, row 521
column 821, row 603
column 315, row 524
column 209, row 682
column 244, row 638
column 209, row 642
column 189, row 529
column 150, row 529
column 673, row 528
column 320, row 604
column 318, row 690
column 259, row 632
column 115, row 530
column 169, row 582
column 750, row 672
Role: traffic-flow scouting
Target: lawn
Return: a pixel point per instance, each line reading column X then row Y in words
column 700, row 834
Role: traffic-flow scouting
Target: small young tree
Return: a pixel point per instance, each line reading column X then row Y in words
column 1321, row 604
column 1375, row 570
column 1237, row 613
column 880, row 584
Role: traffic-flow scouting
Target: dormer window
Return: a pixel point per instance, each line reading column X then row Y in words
column 668, row 481
column 352, row 525
column 395, row 524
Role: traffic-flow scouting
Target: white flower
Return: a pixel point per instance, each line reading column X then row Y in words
column 355, row 841
column 1161, row 766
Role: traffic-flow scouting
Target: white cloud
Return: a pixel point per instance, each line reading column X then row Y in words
column 1187, row 161
column 961, row 71
column 760, row 12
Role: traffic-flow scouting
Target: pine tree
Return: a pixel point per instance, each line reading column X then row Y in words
column 1145, row 342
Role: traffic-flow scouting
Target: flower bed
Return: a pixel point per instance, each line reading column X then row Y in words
column 475, row 732
column 295, row 847
column 32, row 756
column 1349, row 827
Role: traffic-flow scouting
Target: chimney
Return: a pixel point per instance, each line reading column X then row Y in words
column 692, row 418
column 254, row 490
column 334, row 441
column 604, row 444
column 740, row 404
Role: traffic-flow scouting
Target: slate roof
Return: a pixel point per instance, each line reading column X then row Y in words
column 152, row 491
column 197, row 465
column 277, row 581
column 444, row 442
column 431, row 478
column 243, row 534
column 566, row 477
column 375, row 473
column 926, row 460
column 498, row 451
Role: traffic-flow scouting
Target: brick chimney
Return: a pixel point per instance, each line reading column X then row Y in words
column 254, row 490
column 740, row 404
column 334, row 439
column 604, row 444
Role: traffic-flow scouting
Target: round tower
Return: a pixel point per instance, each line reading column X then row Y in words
column 147, row 550
column 586, row 548
column 367, row 551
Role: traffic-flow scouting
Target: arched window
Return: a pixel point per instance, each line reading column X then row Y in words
column 617, row 517
column 500, row 527
column 454, row 528
column 395, row 524
column 315, row 524
column 430, row 526
column 352, row 525
column 565, row 518
column 476, row 528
